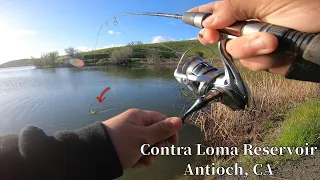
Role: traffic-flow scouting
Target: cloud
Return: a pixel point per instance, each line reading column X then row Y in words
column 111, row 46
column 193, row 38
column 159, row 39
column 87, row 49
column 84, row 48
column 113, row 32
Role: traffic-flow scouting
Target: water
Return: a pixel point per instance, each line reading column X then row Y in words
column 62, row 98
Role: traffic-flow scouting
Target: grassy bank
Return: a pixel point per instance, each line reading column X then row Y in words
column 301, row 128
column 273, row 98
column 278, row 117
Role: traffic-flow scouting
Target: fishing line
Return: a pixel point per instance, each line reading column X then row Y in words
column 115, row 22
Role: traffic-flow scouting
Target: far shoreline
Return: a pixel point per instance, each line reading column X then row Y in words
column 166, row 63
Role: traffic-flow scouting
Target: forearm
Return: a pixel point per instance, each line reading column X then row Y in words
column 87, row 153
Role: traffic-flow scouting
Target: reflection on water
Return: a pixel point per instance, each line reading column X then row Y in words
column 62, row 98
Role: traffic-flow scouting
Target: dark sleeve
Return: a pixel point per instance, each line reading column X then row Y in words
column 304, row 71
column 87, row 153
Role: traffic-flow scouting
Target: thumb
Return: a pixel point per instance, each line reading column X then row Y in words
column 163, row 129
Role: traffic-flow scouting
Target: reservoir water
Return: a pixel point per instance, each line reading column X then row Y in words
column 63, row 99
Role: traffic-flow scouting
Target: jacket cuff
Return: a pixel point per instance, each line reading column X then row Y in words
column 97, row 136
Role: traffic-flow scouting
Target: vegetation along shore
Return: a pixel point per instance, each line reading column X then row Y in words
column 132, row 53
column 283, row 112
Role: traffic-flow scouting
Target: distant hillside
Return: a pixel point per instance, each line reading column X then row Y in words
column 166, row 50
column 16, row 63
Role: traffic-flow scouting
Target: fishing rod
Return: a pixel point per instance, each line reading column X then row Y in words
column 300, row 43
column 226, row 85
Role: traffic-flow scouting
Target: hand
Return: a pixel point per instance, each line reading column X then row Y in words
column 254, row 50
column 133, row 128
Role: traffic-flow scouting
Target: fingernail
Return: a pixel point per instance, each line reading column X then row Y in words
column 209, row 20
column 258, row 45
column 201, row 33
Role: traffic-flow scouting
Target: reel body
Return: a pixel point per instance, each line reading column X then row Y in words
column 211, row 84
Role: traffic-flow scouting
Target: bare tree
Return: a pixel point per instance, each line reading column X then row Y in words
column 134, row 43
column 121, row 55
column 153, row 55
column 49, row 58
column 70, row 51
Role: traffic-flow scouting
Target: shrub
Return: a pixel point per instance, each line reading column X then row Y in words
column 120, row 56
column 103, row 61
column 153, row 55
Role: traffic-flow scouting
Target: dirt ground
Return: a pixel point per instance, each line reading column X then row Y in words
column 306, row 168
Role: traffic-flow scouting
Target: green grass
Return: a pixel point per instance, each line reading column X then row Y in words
column 166, row 50
column 17, row 63
column 300, row 127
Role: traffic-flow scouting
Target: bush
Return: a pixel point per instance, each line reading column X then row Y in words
column 120, row 56
column 95, row 56
column 153, row 55
column 103, row 61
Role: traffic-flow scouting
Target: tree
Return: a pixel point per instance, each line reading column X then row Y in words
column 131, row 43
column 37, row 62
column 153, row 55
column 134, row 43
column 70, row 51
column 49, row 58
column 121, row 55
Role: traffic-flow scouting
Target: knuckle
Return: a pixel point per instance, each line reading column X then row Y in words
column 160, row 127
column 134, row 110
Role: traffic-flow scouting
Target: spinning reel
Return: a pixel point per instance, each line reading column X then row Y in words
column 211, row 84
column 226, row 85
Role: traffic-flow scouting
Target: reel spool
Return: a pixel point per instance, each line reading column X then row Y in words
column 212, row 84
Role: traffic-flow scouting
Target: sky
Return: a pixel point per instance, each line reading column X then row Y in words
column 29, row 28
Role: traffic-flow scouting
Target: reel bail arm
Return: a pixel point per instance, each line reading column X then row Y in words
column 211, row 84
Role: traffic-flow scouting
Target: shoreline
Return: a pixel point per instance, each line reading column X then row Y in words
column 169, row 63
